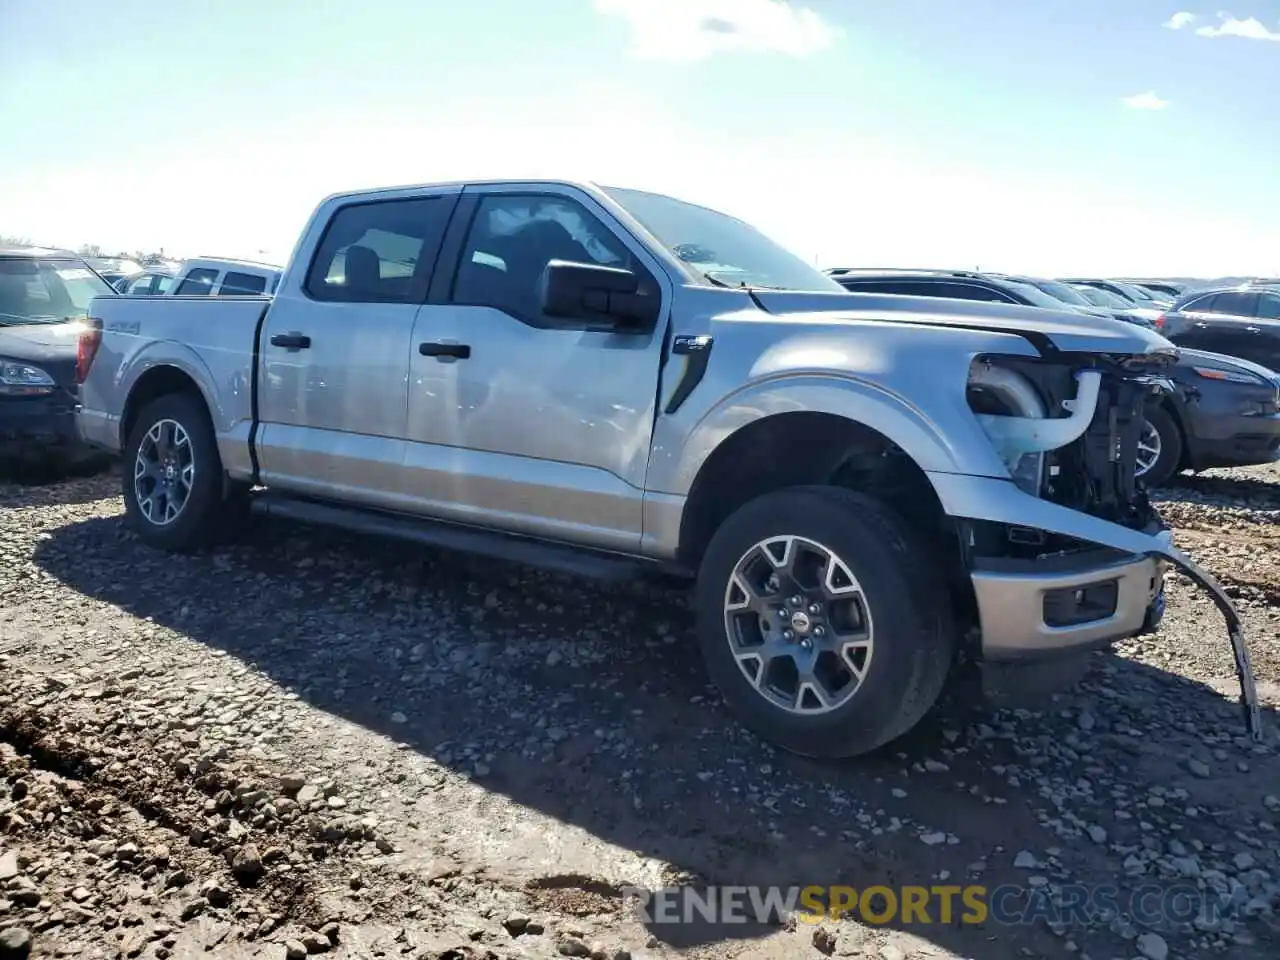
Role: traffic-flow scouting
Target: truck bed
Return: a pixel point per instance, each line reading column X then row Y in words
column 213, row 339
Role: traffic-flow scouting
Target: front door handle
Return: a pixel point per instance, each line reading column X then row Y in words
column 291, row 341
column 443, row 351
column 1253, row 329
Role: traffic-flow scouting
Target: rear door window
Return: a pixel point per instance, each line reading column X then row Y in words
column 1235, row 304
column 1269, row 306
column 197, row 283
column 379, row 252
column 236, row 284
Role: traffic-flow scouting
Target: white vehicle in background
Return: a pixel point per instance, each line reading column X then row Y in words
column 157, row 279
column 223, row 277
column 114, row 270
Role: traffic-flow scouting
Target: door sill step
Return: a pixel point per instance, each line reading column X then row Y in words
column 563, row 558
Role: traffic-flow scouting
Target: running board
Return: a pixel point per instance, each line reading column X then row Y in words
column 580, row 562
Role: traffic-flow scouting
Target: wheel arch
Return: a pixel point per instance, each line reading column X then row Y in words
column 1178, row 414
column 156, row 381
column 802, row 448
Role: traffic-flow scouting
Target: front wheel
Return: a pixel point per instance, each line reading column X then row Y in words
column 172, row 475
column 824, row 621
column 1159, row 448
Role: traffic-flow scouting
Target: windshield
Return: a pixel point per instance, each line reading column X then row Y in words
column 721, row 248
column 1032, row 294
column 47, row 291
column 1064, row 292
column 1102, row 298
column 1140, row 294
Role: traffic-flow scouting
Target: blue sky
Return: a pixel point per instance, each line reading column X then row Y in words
column 1060, row 136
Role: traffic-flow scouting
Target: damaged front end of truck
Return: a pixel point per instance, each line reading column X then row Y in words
column 1073, row 545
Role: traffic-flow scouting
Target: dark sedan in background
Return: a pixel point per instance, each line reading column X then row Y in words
column 1239, row 321
column 1226, row 411
column 44, row 298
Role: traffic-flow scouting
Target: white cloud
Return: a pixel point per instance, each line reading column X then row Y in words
column 1145, row 101
column 1180, row 20
column 684, row 31
column 1250, row 28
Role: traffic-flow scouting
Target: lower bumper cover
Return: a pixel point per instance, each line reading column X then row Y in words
column 1013, row 615
column 1000, row 501
column 1246, row 441
column 37, row 428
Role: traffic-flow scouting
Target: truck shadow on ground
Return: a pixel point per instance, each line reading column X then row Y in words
column 588, row 703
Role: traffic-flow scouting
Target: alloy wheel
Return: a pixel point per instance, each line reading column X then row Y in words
column 164, row 471
column 1149, row 448
column 798, row 625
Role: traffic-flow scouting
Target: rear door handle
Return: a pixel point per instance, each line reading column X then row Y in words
column 443, row 351
column 291, row 341
column 1253, row 329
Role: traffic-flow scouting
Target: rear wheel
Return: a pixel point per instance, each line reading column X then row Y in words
column 1159, row 448
column 172, row 475
column 823, row 621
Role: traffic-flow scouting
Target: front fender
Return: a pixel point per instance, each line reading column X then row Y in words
column 946, row 440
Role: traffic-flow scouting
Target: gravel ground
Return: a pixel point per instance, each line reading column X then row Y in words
column 310, row 743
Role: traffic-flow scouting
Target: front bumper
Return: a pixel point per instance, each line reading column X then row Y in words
column 1000, row 501
column 1038, row 613
column 39, row 428
column 1225, row 439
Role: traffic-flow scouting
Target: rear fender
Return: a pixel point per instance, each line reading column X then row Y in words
column 168, row 353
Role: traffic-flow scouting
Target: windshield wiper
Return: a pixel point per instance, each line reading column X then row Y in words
column 740, row 285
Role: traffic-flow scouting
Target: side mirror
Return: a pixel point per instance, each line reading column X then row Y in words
column 586, row 290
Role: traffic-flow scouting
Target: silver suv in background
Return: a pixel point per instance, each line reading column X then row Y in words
column 860, row 487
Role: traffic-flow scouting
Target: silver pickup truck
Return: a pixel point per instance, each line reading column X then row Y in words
column 866, row 489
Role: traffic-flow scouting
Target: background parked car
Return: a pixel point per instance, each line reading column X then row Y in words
column 1113, row 301
column 1080, row 299
column 1165, row 289
column 1226, row 412
column 44, row 296
column 1238, row 321
column 114, row 269
column 223, row 277
column 1125, row 291
column 154, row 281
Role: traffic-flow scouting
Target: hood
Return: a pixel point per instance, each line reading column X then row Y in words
column 1066, row 330
column 1144, row 313
column 40, row 342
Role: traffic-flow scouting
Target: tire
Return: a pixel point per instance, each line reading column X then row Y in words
column 204, row 512
column 1170, row 459
column 904, row 597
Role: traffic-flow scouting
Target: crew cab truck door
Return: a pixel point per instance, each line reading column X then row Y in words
column 517, row 419
column 334, row 351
